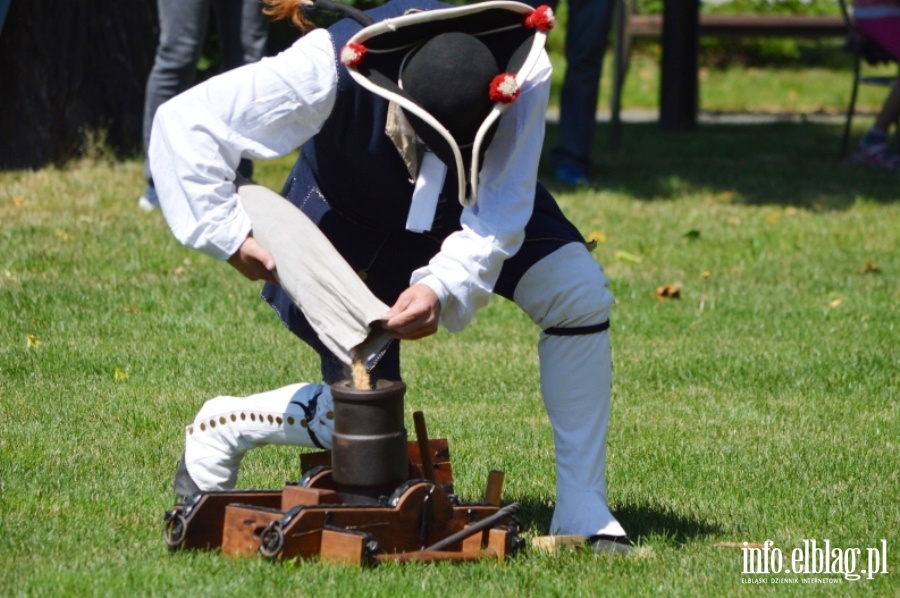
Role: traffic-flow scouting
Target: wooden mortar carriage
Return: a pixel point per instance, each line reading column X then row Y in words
column 374, row 497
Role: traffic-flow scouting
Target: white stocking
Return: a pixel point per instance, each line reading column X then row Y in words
column 227, row 427
column 567, row 290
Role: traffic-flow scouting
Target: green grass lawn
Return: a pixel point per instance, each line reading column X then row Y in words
column 799, row 88
column 761, row 405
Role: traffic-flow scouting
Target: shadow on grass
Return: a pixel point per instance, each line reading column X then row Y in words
column 646, row 521
column 772, row 163
column 641, row 522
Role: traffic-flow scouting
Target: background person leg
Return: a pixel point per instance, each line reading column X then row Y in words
column 587, row 33
column 182, row 29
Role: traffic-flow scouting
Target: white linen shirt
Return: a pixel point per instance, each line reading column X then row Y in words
column 269, row 108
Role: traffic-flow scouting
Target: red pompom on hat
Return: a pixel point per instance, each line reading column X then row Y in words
column 541, row 19
column 504, row 88
column 352, row 54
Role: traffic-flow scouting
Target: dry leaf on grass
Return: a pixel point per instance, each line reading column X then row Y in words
column 870, row 268
column 596, row 236
column 668, row 291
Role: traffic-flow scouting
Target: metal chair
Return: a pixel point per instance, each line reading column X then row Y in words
column 862, row 48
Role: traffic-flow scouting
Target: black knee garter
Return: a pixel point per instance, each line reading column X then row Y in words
column 578, row 330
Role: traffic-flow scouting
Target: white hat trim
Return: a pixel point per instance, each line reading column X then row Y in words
column 391, row 25
column 534, row 55
column 425, row 16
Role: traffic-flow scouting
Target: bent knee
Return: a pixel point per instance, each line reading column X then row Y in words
column 565, row 289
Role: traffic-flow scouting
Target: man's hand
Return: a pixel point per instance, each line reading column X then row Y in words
column 253, row 261
column 415, row 315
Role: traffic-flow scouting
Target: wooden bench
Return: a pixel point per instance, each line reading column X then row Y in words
column 650, row 26
column 678, row 101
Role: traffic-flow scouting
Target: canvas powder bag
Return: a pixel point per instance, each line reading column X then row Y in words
column 338, row 305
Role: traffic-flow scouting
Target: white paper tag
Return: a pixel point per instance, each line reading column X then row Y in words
column 432, row 173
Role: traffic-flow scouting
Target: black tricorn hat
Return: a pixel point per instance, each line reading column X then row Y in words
column 453, row 83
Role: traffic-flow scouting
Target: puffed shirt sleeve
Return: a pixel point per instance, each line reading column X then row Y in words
column 463, row 273
column 259, row 111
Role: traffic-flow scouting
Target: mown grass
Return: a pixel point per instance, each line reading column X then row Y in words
column 821, row 86
column 760, row 405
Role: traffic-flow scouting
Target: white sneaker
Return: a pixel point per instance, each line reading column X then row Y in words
column 145, row 204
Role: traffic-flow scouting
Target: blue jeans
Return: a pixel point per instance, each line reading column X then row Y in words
column 587, row 33
column 243, row 35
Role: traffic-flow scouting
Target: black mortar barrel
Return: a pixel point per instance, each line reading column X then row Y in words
column 368, row 454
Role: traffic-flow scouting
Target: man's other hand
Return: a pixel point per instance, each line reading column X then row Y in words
column 415, row 315
column 253, row 261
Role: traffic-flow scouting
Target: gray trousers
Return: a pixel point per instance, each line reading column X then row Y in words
column 586, row 37
column 243, row 33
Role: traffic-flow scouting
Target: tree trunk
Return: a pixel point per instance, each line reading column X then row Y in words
column 71, row 72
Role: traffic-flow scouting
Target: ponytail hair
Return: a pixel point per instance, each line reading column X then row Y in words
column 288, row 10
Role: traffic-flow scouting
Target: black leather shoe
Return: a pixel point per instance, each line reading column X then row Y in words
column 183, row 485
column 605, row 544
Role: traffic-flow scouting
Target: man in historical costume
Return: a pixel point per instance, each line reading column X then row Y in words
column 420, row 127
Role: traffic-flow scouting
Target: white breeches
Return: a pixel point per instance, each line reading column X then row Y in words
column 227, row 427
column 568, row 289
